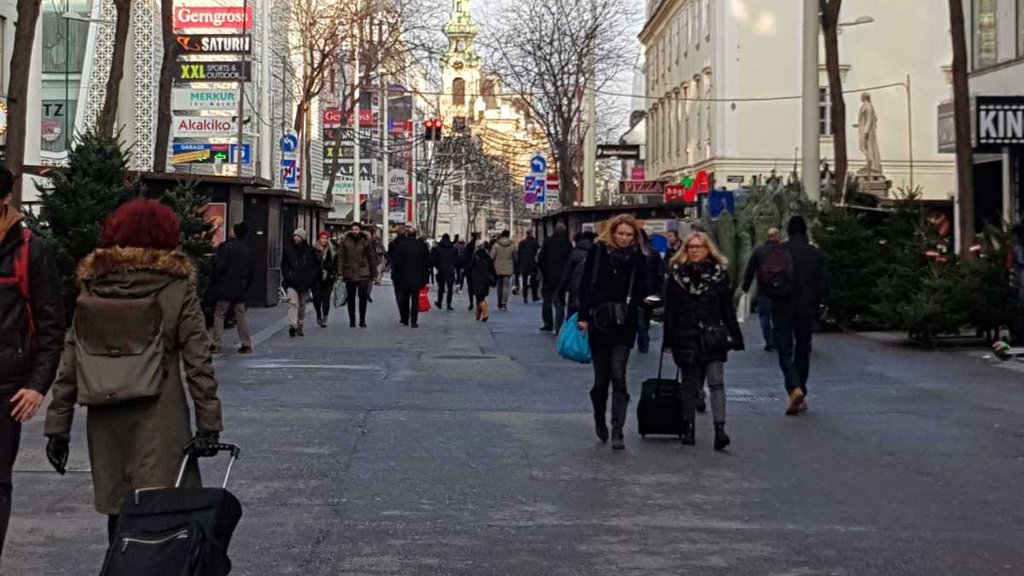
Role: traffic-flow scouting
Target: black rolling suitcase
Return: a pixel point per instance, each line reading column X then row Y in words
column 659, row 410
column 176, row 531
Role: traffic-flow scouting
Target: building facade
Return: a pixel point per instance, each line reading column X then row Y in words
column 724, row 79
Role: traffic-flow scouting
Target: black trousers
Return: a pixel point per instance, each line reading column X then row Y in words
column 10, row 440
column 408, row 305
column 445, row 287
column 553, row 308
column 610, row 360
column 792, row 334
column 532, row 282
column 357, row 291
column 322, row 293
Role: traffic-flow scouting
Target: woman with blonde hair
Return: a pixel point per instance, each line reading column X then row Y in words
column 701, row 328
column 612, row 289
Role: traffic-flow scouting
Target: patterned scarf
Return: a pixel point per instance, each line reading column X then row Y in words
column 699, row 278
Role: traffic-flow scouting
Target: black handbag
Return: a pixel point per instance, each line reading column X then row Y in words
column 610, row 316
column 714, row 338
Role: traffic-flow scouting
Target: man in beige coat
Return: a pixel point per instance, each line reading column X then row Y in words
column 503, row 253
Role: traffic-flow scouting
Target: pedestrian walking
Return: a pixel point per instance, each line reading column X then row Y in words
column 231, row 279
column 299, row 270
column 31, row 335
column 573, row 277
column 763, row 300
column 324, row 287
column 503, row 253
column 481, row 276
column 357, row 266
column 654, row 272
column 701, row 328
column 528, row 250
column 138, row 418
column 674, row 245
column 445, row 259
column 460, row 268
column 795, row 276
column 553, row 260
column 471, row 248
column 410, row 268
column 611, row 292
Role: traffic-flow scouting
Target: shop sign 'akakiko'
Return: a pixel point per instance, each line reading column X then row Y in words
column 212, row 17
column 193, row 126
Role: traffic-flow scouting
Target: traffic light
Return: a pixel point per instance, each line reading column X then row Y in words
column 432, row 129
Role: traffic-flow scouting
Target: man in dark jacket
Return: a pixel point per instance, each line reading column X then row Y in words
column 528, row 249
column 553, row 260
column 410, row 268
column 764, row 301
column 300, row 270
column 445, row 259
column 232, row 277
column 358, row 269
column 795, row 313
column 31, row 335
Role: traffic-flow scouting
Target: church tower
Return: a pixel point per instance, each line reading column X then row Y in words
column 460, row 67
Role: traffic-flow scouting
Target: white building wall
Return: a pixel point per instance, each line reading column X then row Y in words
column 752, row 49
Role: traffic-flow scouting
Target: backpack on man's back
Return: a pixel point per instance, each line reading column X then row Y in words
column 775, row 273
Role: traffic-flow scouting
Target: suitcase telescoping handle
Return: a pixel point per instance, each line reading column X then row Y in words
column 215, row 449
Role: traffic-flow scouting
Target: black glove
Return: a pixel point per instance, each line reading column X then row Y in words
column 57, row 450
column 202, row 443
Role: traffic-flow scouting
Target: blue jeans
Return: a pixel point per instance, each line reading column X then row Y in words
column 793, row 341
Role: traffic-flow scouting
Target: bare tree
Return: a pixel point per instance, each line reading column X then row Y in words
column 962, row 115
column 168, row 67
column 551, row 60
column 830, row 10
column 17, row 91
column 108, row 116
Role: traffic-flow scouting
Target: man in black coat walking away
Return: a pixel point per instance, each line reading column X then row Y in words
column 31, row 334
column 445, row 260
column 553, row 261
column 528, row 249
column 300, row 269
column 232, row 277
column 764, row 301
column 410, row 268
column 795, row 306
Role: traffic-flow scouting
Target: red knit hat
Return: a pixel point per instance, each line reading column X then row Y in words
column 142, row 224
column 323, row 234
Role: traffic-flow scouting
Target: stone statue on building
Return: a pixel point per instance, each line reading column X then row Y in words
column 867, row 126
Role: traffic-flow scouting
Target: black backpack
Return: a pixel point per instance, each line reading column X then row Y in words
column 775, row 274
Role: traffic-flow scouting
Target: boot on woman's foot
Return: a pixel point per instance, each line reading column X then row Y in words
column 689, row 434
column 721, row 438
column 600, row 427
column 618, row 440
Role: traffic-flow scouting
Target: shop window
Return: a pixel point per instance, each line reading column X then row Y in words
column 984, row 37
column 825, row 113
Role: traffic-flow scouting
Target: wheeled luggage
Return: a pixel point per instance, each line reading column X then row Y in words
column 176, row 531
column 659, row 410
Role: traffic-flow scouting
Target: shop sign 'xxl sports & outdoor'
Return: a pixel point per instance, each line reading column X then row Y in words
column 212, row 17
column 214, row 71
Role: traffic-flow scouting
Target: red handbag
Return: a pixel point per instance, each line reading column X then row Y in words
column 425, row 299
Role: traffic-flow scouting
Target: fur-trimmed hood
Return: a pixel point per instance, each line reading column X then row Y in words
column 122, row 261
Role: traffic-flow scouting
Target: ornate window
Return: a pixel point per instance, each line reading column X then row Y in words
column 458, row 92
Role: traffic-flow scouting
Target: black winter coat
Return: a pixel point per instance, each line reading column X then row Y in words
column 480, row 272
column 574, row 275
column 810, row 280
column 24, row 364
column 410, row 265
column 328, row 266
column 445, row 259
column 685, row 313
column 604, row 282
column 300, row 267
column 554, row 257
column 528, row 250
column 232, row 271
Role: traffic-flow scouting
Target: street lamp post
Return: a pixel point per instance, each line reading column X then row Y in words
column 811, row 138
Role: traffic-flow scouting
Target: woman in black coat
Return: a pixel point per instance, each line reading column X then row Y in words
column 480, row 276
column 613, row 287
column 701, row 327
column 324, row 286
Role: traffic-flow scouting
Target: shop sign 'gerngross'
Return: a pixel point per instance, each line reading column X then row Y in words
column 214, row 71
column 214, row 43
column 196, row 99
column 199, row 126
column 212, row 18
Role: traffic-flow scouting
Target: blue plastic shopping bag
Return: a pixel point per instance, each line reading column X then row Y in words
column 573, row 343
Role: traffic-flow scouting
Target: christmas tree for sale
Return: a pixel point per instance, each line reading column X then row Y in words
column 189, row 204
column 79, row 200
